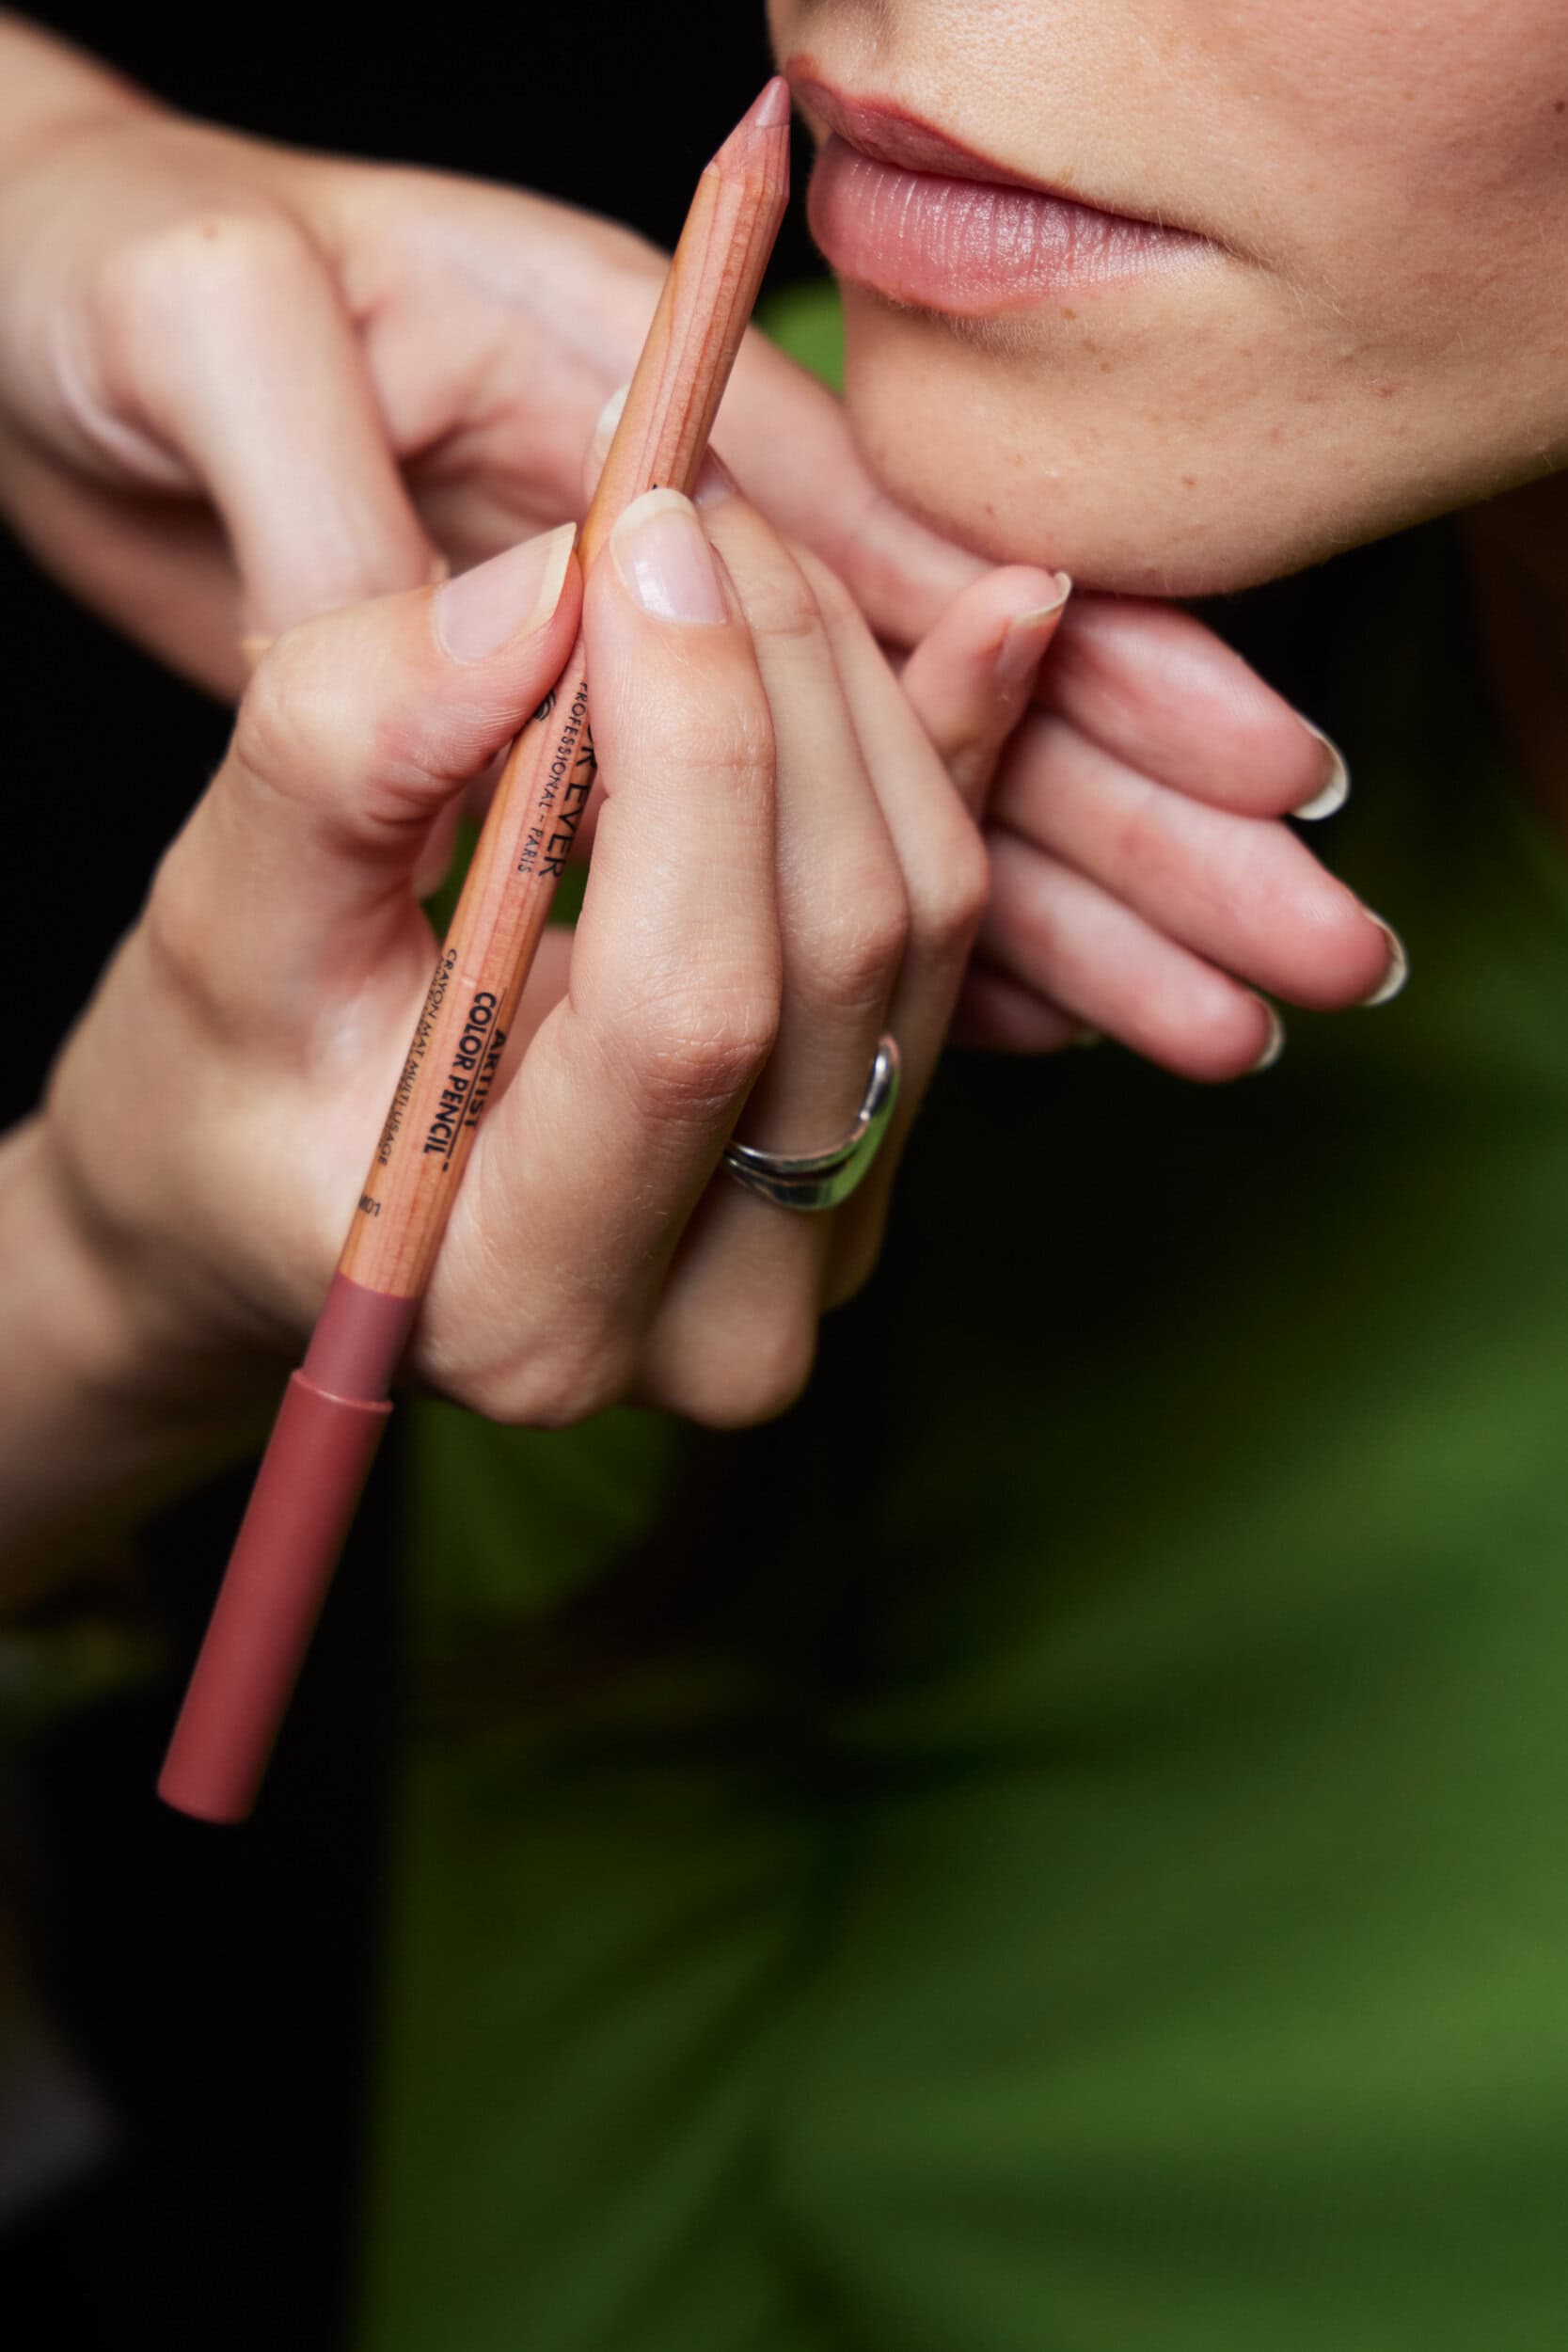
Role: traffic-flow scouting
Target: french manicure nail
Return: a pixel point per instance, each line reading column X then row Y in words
column 1021, row 647
column 603, row 430
column 1398, row 968
column 515, row 591
column 664, row 559
column 714, row 483
column 1274, row 1047
column 1334, row 791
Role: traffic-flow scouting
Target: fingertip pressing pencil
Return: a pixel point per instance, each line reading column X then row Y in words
column 336, row 1405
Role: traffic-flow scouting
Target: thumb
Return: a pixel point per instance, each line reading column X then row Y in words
column 355, row 732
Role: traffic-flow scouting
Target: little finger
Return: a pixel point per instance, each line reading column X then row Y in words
column 1241, row 891
column 1061, row 936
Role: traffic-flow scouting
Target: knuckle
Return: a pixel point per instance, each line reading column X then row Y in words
column 559, row 1384
column 181, row 935
column 836, row 606
column 849, row 955
column 754, row 1381
column 771, row 581
column 266, row 726
column 279, row 729
column 317, row 723
column 706, row 720
column 780, row 603
column 232, row 258
column 689, row 1052
column 730, row 742
column 948, row 906
column 1139, row 841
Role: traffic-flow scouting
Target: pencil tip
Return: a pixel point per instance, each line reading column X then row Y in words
column 759, row 137
column 770, row 108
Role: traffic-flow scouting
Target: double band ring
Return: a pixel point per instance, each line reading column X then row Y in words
column 821, row 1180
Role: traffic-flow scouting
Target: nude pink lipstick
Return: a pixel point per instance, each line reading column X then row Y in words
column 898, row 206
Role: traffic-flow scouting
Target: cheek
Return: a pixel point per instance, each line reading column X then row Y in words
column 1401, row 171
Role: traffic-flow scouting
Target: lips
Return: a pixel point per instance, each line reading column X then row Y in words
column 897, row 205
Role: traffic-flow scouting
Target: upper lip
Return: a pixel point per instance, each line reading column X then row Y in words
column 891, row 134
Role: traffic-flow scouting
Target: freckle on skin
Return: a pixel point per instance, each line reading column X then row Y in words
column 1189, row 482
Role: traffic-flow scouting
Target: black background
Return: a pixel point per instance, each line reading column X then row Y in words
column 216, row 1981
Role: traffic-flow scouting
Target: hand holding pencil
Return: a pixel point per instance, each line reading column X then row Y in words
column 206, row 1135
column 749, row 736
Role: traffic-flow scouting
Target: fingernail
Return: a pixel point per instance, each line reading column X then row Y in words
column 714, row 483
column 1334, row 791
column 1023, row 639
column 1398, row 968
column 478, row 611
column 1274, row 1047
column 604, row 431
column 666, row 562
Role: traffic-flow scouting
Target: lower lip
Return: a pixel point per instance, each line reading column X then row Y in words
column 971, row 247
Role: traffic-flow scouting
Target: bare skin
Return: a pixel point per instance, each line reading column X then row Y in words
column 1377, row 332
column 282, row 953
column 428, row 356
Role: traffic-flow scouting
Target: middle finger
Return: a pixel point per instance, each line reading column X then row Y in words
column 746, row 1266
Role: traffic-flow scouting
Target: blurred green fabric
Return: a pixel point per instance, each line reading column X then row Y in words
column 1058, row 1846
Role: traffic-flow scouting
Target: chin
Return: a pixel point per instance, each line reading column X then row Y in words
column 1132, row 485
column 1075, row 517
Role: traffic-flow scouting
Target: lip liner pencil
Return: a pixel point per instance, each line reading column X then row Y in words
column 336, row 1405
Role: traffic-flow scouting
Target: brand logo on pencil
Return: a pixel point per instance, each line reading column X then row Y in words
column 563, row 791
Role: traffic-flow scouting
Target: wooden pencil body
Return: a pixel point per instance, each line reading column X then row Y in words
column 528, row 834
column 470, row 1007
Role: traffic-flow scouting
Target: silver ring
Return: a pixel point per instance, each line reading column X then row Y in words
column 821, row 1179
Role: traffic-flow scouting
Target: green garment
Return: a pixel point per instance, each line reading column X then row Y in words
column 1058, row 1846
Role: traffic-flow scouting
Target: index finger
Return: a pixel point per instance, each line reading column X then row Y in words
column 245, row 359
